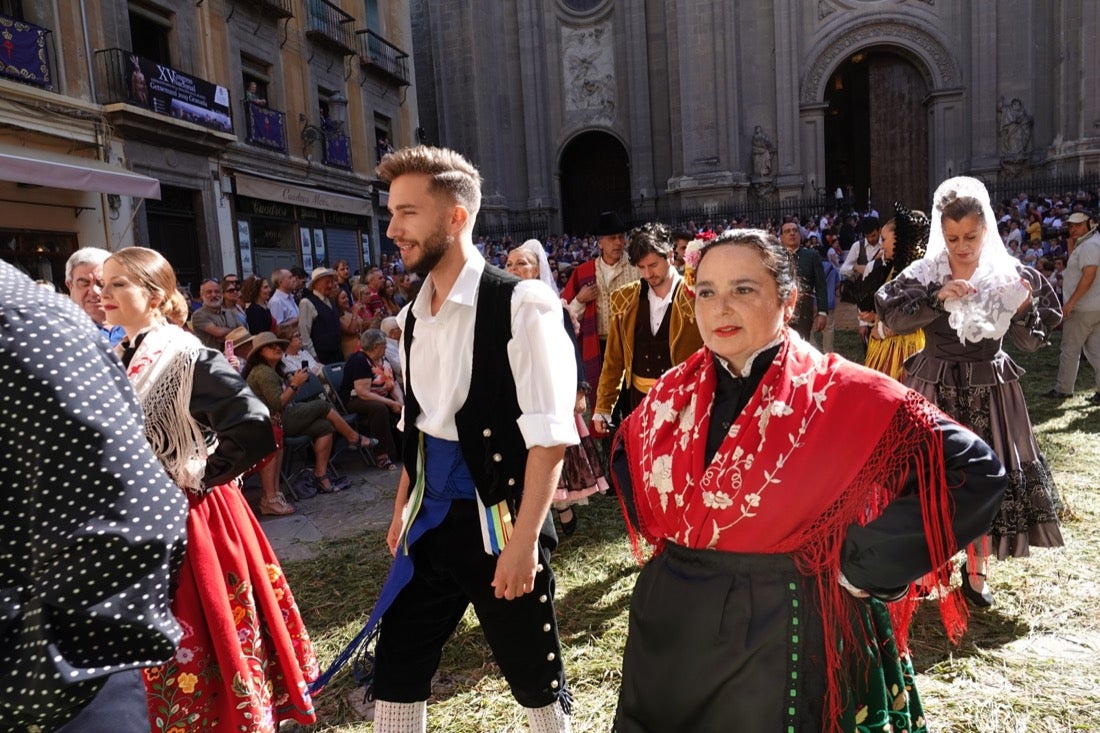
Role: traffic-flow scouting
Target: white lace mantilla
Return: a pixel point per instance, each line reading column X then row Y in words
column 999, row 290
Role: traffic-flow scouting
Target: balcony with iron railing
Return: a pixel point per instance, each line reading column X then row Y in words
column 25, row 52
column 330, row 26
column 271, row 8
column 378, row 55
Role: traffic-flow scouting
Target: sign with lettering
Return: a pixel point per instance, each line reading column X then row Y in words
column 285, row 192
column 176, row 94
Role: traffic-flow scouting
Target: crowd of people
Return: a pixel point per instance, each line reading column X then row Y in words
column 500, row 382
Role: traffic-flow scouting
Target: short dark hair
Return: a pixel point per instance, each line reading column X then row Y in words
column 649, row 238
column 869, row 224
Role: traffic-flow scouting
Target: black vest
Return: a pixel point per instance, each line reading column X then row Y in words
column 326, row 326
column 652, row 353
column 488, row 433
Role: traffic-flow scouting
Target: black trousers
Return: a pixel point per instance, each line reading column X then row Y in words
column 452, row 571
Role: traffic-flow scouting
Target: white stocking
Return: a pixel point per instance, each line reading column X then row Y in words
column 400, row 717
column 548, row 719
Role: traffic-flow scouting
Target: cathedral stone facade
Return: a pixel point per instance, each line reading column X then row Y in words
column 573, row 106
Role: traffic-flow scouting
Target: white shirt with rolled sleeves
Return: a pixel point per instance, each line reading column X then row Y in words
column 443, row 353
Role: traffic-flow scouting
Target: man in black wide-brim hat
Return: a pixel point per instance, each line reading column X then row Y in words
column 589, row 288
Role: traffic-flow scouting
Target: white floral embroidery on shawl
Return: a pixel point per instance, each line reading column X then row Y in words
column 722, row 488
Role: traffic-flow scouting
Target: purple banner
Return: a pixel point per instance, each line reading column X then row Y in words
column 24, row 52
column 337, row 150
column 176, row 94
column 266, row 127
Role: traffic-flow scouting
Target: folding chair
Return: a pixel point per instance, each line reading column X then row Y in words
column 312, row 389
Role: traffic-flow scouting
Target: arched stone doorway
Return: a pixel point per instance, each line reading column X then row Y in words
column 876, row 131
column 595, row 177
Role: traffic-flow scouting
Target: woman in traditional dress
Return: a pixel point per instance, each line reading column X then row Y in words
column 581, row 474
column 761, row 609
column 904, row 239
column 245, row 658
column 968, row 293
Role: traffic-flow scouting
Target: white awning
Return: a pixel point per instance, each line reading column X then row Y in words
column 289, row 192
column 55, row 170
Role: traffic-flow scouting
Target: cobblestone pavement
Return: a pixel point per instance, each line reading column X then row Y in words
column 367, row 504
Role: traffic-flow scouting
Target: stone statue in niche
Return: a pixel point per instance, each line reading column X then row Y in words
column 763, row 154
column 1015, row 125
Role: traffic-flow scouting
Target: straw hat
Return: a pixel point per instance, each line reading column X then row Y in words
column 319, row 273
column 259, row 341
column 239, row 336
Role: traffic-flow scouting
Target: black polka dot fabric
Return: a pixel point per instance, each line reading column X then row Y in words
column 91, row 529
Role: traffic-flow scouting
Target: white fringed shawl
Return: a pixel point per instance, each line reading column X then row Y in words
column 163, row 374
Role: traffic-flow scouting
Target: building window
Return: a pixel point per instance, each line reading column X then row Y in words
column 150, row 33
column 12, row 9
column 383, row 137
column 371, row 13
column 256, row 77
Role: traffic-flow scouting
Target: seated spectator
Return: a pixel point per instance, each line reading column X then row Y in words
column 370, row 390
column 267, row 377
column 293, row 356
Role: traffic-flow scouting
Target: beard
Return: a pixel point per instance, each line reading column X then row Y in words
column 431, row 251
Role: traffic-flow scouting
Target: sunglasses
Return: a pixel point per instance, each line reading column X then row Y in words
column 232, row 290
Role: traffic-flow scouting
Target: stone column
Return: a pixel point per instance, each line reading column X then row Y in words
column 812, row 139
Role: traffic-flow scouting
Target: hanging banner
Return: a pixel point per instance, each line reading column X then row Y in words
column 176, row 94
column 24, row 52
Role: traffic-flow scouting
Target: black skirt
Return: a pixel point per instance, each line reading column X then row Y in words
column 721, row 641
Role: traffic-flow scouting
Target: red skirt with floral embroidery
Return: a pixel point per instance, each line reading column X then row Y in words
column 245, row 658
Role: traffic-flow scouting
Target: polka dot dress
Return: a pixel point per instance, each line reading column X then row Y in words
column 91, row 529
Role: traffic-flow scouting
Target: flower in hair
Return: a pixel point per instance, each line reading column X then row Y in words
column 692, row 254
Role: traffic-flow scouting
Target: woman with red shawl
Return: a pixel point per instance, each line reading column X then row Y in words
column 762, row 607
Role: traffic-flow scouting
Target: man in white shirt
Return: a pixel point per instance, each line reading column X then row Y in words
column 487, row 417
column 862, row 252
column 282, row 305
column 652, row 326
column 1081, row 311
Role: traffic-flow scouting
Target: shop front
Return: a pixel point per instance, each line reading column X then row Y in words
column 280, row 224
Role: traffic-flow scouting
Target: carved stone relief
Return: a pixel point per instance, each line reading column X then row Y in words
column 588, row 71
column 935, row 55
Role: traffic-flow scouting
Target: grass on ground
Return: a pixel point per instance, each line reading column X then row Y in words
column 1027, row 665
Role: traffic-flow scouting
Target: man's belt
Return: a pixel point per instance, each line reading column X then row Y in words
column 643, row 384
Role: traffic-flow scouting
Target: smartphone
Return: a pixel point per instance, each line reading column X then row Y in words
column 229, row 349
column 305, row 363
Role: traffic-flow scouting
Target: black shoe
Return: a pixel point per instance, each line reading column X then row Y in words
column 1056, row 395
column 568, row 528
column 1095, row 399
column 983, row 599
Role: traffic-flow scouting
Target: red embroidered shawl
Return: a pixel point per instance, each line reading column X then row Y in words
column 777, row 483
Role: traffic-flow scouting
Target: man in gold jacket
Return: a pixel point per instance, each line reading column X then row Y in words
column 652, row 327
